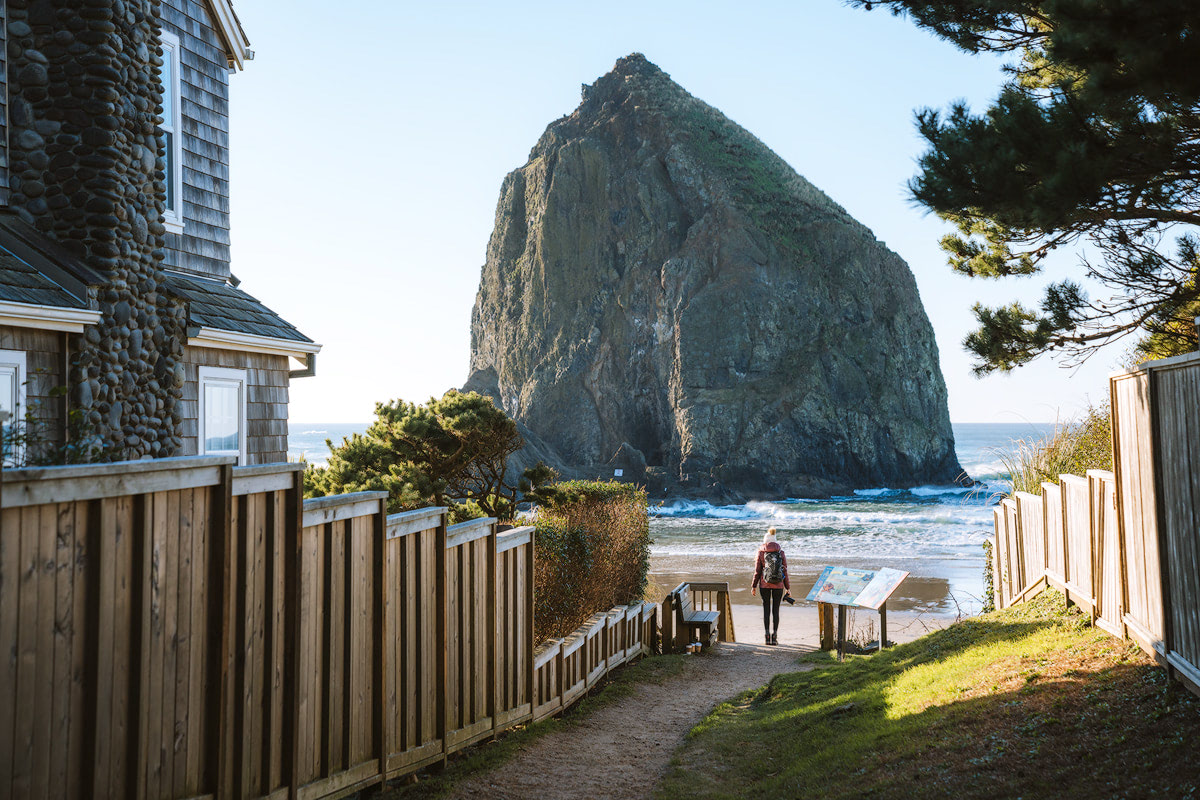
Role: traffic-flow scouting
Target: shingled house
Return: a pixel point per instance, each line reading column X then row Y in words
column 115, row 278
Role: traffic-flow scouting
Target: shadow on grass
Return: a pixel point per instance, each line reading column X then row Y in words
column 987, row 708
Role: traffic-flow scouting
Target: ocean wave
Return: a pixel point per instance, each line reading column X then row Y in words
column 312, row 433
column 828, row 517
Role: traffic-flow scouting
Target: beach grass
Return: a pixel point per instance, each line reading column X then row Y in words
column 1027, row 702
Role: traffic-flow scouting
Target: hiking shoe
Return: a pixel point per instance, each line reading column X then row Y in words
column 768, row 639
column 774, row 638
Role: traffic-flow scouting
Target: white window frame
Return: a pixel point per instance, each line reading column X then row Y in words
column 225, row 377
column 15, row 360
column 173, row 217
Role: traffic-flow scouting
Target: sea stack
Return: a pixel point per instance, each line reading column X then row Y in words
column 665, row 295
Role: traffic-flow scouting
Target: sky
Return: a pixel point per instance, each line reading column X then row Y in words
column 369, row 141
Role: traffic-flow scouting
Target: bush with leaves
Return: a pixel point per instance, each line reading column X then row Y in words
column 592, row 552
column 452, row 451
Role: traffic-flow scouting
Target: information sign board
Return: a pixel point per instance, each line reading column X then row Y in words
column 880, row 588
column 845, row 586
column 840, row 585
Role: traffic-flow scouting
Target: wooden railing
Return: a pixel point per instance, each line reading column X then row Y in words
column 183, row 628
column 705, row 597
column 1125, row 544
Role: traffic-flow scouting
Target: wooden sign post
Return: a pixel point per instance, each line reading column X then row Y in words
column 862, row 588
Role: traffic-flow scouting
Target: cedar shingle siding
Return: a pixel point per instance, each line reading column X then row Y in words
column 203, row 247
column 43, row 364
column 266, row 401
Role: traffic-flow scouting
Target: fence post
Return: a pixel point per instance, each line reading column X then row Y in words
column 293, row 569
column 222, row 629
column 493, row 566
column 530, row 642
column 443, row 629
column 380, row 660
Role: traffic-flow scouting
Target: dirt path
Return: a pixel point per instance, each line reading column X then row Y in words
column 620, row 750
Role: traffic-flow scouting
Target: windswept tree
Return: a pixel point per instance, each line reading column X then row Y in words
column 452, row 449
column 1094, row 137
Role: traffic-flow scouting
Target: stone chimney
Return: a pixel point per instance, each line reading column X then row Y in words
column 87, row 169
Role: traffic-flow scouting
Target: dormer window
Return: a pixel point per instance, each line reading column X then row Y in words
column 172, row 132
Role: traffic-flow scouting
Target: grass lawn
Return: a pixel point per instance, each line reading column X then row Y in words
column 1029, row 702
column 621, row 683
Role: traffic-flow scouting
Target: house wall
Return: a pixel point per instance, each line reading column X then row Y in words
column 44, row 367
column 266, row 401
column 82, row 148
column 203, row 247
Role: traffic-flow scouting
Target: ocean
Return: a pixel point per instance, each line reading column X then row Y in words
column 935, row 533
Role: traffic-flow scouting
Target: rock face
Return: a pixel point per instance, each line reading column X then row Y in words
column 662, row 290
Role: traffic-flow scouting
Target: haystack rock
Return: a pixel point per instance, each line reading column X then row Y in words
column 665, row 294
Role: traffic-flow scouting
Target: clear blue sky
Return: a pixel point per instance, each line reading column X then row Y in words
column 369, row 140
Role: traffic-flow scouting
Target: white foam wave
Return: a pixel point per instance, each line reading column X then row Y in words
column 312, row 433
column 940, row 491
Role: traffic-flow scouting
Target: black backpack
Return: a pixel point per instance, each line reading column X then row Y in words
column 773, row 567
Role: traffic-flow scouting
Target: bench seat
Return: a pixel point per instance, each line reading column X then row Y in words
column 690, row 623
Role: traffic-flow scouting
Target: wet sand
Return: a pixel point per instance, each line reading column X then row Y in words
column 919, row 605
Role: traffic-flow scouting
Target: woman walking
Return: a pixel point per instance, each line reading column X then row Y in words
column 771, row 576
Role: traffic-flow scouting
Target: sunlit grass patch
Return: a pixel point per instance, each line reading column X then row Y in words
column 1029, row 702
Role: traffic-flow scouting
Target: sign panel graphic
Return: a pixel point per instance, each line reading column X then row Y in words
column 844, row 586
column 840, row 585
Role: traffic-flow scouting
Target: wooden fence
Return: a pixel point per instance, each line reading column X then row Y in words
column 1124, row 545
column 182, row 628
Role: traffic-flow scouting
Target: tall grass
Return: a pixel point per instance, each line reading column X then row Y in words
column 1072, row 449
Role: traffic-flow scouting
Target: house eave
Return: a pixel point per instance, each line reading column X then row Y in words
column 237, row 46
column 247, row 342
column 47, row 318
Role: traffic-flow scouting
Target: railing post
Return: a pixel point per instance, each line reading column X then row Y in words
column 293, row 569
column 220, row 762
column 443, row 629
column 530, row 642
column 493, row 566
column 380, row 660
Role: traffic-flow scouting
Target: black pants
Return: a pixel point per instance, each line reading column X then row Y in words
column 771, row 599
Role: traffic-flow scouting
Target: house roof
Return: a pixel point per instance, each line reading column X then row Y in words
column 216, row 304
column 37, row 271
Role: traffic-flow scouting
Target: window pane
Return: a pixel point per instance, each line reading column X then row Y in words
column 170, row 137
column 168, row 86
column 222, row 430
column 8, row 389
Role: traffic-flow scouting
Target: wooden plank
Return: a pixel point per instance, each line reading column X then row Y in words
column 199, row 646
column 408, row 522
column 65, row 643
column 41, row 681
column 10, row 577
column 326, row 510
column 44, row 486
column 251, row 539
column 335, row 644
column 184, row 784
column 469, row 531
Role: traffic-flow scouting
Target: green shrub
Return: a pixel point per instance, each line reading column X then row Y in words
column 1073, row 449
column 592, row 552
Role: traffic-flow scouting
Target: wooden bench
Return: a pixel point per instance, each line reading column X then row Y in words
column 690, row 624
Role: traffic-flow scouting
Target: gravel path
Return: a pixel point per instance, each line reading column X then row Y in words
column 621, row 750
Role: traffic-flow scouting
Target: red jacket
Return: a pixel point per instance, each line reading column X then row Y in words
column 760, row 563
